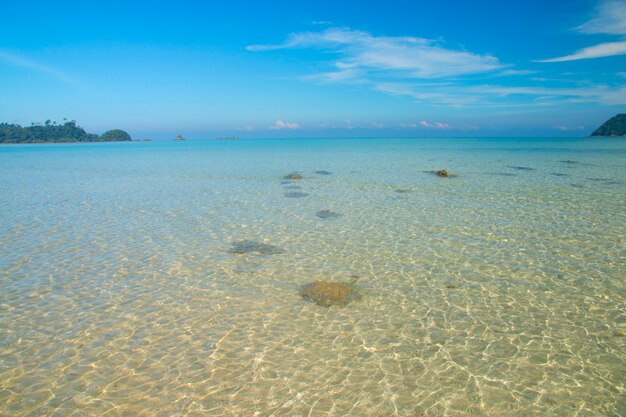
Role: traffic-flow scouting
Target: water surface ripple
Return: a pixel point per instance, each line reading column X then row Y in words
column 500, row 291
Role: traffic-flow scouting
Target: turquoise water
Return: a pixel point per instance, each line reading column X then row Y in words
column 498, row 292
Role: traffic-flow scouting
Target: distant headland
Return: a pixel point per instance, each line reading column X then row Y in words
column 615, row 126
column 51, row 132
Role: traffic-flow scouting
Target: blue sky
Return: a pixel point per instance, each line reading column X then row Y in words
column 315, row 68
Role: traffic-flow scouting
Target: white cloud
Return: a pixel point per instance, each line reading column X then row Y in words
column 279, row 125
column 364, row 54
column 247, row 128
column 570, row 128
column 596, row 51
column 514, row 72
column 486, row 95
column 345, row 75
column 615, row 96
column 436, row 125
column 609, row 19
column 430, row 73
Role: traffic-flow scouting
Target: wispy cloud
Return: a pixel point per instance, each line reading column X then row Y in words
column 436, row 125
column 363, row 54
column 596, row 51
column 19, row 61
column 563, row 128
column 280, row 125
column 509, row 72
column 430, row 72
column 487, row 95
column 610, row 19
column 246, row 128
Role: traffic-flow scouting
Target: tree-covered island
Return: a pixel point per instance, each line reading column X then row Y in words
column 51, row 132
column 615, row 126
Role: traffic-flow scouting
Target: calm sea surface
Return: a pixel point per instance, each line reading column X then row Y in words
column 501, row 291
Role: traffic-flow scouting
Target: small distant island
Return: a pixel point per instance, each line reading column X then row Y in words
column 615, row 126
column 51, row 132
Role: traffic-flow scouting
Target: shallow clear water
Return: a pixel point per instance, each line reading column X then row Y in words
column 498, row 292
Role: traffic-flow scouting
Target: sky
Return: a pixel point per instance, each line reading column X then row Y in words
column 315, row 68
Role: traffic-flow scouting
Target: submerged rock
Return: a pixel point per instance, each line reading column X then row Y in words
column 558, row 174
column 503, row 174
column 294, row 176
column 442, row 173
column 326, row 293
column 402, row 190
column 607, row 181
column 437, row 337
column 322, row 172
column 569, row 161
column 249, row 246
column 327, row 214
column 293, row 187
column 295, row 194
column 521, row 168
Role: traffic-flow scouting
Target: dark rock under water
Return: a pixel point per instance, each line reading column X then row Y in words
column 503, row 174
column 327, row 293
column 250, row 246
column 295, row 194
column 293, row 176
column 558, row 174
column 327, row 214
column 521, row 168
column 607, row 181
column 441, row 173
column 322, row 172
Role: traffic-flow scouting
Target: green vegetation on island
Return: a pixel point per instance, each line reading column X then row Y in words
column 115, row 135
column 51, row 132
column 615, row 126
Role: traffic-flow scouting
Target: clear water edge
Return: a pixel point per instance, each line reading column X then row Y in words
column 485, row 294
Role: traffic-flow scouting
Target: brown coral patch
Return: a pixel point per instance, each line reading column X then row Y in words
column 326, row 293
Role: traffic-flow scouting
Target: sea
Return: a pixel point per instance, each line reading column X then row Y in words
column 166, row 278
